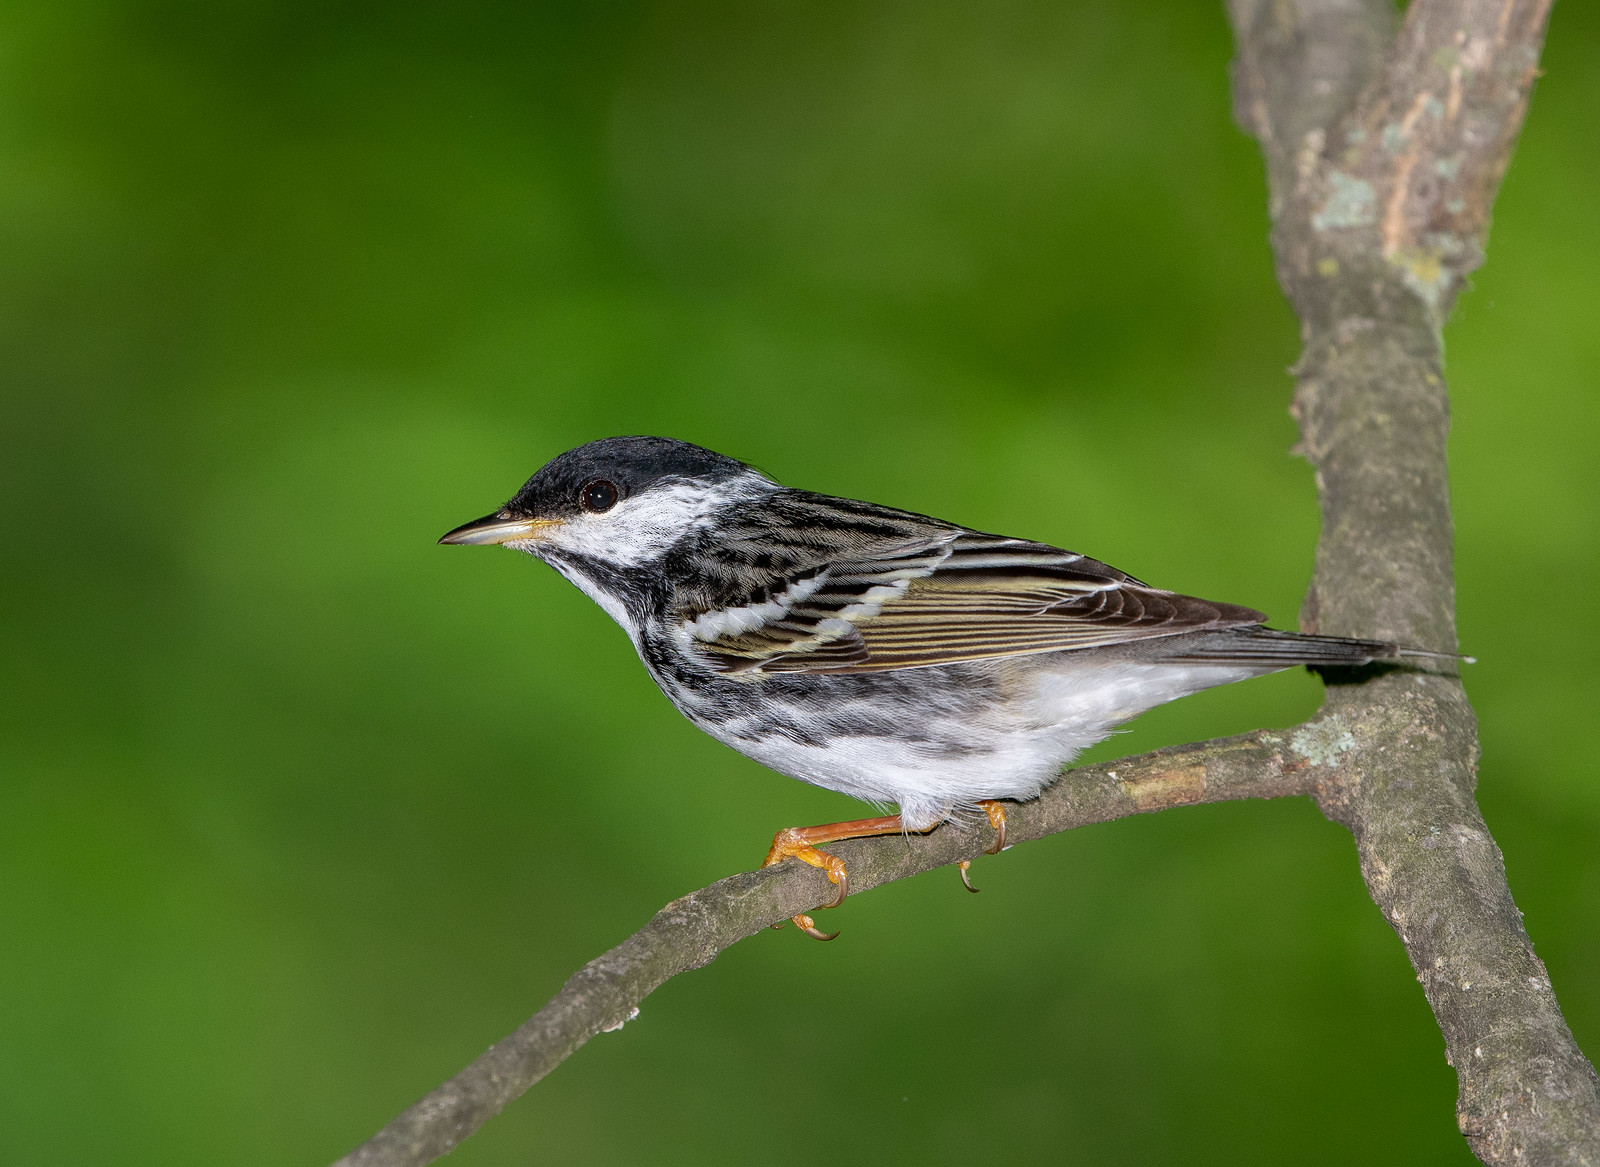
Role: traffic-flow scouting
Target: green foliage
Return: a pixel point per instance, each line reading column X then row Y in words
column 299, row 811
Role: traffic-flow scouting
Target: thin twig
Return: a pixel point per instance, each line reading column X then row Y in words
column 691, row 931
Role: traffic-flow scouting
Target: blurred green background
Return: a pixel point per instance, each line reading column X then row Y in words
column 299, row 812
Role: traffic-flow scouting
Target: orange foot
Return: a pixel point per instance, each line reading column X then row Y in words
column 997, row 820
column 801, row 843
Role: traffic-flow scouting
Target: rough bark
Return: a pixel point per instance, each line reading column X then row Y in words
column 1385, row 141
column 1384, row 158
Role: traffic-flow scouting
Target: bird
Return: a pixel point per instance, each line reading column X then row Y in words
column 901, row 659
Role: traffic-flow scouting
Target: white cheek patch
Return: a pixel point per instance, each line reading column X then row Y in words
column 645, row 527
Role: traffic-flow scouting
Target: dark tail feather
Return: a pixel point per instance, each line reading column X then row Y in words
column 1268, row 646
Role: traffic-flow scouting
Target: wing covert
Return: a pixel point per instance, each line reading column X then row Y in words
column 971, row 597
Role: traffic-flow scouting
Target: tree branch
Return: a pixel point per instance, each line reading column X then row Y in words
column 1381, row 211
column 1299, row 67
column 691, row 931
column 1384, row 152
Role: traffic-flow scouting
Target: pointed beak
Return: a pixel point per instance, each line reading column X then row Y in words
column 496, row 528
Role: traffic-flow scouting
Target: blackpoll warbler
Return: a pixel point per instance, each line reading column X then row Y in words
column 891, row 656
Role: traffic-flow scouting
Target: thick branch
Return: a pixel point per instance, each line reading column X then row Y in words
column 1387, row 215
column 690, row 932
column 1299, row 67
column 1384, row 158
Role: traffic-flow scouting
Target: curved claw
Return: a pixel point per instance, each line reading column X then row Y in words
column 964, row 866
column 997, row 820
column 841, row 877
column 801, row 843
column 809, row 926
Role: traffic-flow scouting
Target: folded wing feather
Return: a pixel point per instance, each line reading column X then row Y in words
column 978, row 597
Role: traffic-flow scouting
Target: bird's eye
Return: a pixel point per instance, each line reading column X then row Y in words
column 598, row 496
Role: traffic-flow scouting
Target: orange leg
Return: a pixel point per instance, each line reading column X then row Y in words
column 801, row 843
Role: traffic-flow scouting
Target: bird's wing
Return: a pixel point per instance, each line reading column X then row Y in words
column 964, row 596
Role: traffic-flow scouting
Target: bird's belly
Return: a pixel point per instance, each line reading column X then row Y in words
column 930, row 741
column 936, row 741
column 927, row 774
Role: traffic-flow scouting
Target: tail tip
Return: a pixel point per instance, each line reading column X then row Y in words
column 1402, row 650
